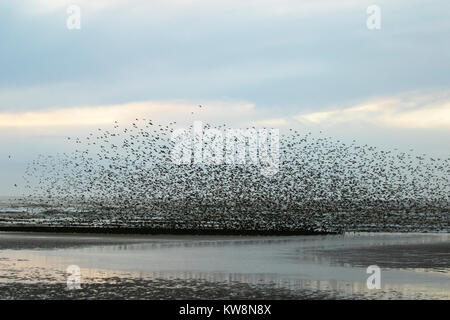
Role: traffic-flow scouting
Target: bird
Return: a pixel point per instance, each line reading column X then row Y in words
column 126, row 177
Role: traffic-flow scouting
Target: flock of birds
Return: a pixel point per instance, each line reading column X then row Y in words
column 126, row 175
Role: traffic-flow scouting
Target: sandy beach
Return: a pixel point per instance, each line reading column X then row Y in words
column 413, row 266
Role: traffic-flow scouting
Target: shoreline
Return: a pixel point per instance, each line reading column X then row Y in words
column 162, row 231
column 293, row 268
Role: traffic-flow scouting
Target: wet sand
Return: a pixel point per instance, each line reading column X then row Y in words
column 414, row 266
column 160, row 231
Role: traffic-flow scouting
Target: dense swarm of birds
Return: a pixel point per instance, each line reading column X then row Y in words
column 125, row 177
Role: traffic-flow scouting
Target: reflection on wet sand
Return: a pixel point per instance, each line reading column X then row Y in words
column 413, row 265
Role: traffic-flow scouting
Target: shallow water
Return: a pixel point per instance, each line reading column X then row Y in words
column 413, row 266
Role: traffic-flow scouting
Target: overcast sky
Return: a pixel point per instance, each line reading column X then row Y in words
column 306, row 64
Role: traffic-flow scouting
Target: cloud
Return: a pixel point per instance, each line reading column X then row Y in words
column 407, row 111
column 277, row 122
column 265, row 7
column 287, row 53
column 46, row 6
column 180, row 111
